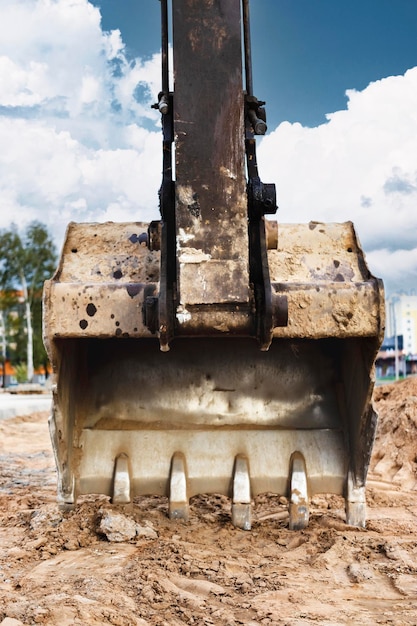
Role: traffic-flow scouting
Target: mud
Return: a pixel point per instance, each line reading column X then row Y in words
column 68, row 568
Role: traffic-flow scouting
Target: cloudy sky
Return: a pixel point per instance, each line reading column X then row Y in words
column 80, row 141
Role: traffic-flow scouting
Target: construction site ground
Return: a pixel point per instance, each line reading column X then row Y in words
column 132, row 566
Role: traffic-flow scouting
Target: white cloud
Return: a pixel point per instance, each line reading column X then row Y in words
column 55, row 55
column 71, row 124
column 63, row 39
column 399, row 265
column 54, row 178
column 360, row 166
column 21, row 86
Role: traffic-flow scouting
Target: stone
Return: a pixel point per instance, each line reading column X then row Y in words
column 117, row 527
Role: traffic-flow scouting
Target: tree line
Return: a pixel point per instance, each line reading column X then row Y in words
column 27, row 259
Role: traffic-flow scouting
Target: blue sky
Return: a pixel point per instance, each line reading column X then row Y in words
column 306, row 53
column 80, row 141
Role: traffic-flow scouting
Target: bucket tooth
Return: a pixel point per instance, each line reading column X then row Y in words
column 66, row 498
column 66, row 481
column 355, row 503
column 299, row 509
column 241, row 499
column 121, row 480
column 178, row 499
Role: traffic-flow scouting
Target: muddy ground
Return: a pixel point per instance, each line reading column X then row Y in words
column 58, row 569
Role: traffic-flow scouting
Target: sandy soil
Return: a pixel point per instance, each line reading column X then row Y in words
column 59, row 569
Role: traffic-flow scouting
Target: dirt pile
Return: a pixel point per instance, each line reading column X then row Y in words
column 62, row 569
column 394, row 457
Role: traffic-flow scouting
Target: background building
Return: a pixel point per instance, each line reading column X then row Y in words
column 398, row 354
column 401, row 311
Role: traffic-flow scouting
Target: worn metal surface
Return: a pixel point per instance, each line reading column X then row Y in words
column 117, row 396
column 211, row 204
column 299, row 496
column 105, row 275
column 322, row 270
column 211, row 400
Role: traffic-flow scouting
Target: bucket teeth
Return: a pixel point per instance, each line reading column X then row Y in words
column 178, row 499
column 355, row 503
column 241, row 498
column 66, row 493
column 299, row 508
column 121, row 480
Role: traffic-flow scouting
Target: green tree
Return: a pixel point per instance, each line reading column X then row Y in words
column 8, row 303
column 26, row 261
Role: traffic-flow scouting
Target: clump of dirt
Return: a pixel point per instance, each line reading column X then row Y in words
column 69, row 568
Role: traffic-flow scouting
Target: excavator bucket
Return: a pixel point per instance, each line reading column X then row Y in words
column 213, row 351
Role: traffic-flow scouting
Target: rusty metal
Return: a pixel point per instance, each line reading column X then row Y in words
column 211, row 205
column 215, row 350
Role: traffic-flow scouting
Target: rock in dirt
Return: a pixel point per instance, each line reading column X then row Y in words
column 10, row 621
column 358, row 573
column 48, row 518
column 118, row 527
